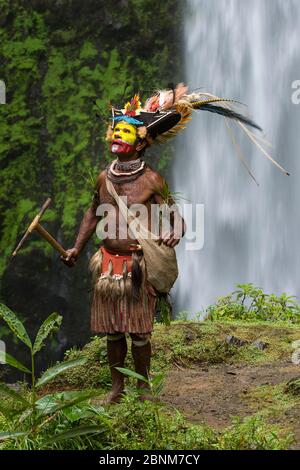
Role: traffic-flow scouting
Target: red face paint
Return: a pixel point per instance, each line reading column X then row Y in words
column 120, row 146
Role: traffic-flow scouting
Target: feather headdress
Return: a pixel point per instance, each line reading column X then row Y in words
column 167, row 112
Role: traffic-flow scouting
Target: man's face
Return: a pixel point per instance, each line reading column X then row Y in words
column 124, row 138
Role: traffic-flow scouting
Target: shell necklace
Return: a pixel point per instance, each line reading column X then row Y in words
column 127, row 171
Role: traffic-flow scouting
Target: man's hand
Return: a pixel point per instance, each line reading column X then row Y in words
column 72, row 256
column 169, row 239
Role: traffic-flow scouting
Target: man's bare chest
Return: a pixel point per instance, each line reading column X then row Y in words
column 135, row 194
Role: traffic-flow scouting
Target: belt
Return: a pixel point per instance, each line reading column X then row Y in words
column 133, row 247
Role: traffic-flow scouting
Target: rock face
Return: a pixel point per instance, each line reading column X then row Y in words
column 296, row 357
column 296, row 354
column 189, row 337
column 56, row 58
column 234, row 341
column 296, row 344
column 259, row 344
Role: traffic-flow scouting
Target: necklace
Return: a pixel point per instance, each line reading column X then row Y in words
column 131, row 165
column 131, row 168
column 134, row 169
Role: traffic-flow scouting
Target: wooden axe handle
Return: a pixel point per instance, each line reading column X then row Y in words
column 38, row 217
column 35, row 225
column 46, row 235
column 45, row 206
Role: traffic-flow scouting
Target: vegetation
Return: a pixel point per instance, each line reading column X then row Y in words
column 63, row 408
column 185, row 344
column 62, row 63
column 56, row 59
column 135, row 428
column 50, row 137
column 250, row 303
column 25, row 414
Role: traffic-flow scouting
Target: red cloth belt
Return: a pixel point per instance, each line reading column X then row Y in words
column 117, row 261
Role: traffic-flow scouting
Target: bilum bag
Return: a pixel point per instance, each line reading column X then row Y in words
column 160, row 260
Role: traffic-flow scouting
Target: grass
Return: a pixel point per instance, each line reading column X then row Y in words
column 276, row 399
column 132, row 425
column 281, row 405
column 182, row 344
column 134, row 428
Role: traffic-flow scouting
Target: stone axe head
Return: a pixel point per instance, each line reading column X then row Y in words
column 35, row 225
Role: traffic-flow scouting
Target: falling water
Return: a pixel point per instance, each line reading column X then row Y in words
column 249, row 51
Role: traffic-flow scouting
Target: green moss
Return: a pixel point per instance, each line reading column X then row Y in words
column 276, row 398
column 185, row 344
column 50, row 138
column 280, row 404
column 22, row 47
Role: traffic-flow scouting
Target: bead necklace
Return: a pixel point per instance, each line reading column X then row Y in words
column 137, row 167
column 134, row 169
column 130, row 165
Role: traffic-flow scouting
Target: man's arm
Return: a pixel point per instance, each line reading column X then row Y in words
column 170, row 238
column 87, row 227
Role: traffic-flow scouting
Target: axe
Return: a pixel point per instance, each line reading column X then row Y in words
column 35, row 225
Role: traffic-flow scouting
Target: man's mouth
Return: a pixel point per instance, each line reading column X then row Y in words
column 120, row 146
column 115, row 145
column 118, row 142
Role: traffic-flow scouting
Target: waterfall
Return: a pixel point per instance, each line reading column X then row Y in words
column 249, row 51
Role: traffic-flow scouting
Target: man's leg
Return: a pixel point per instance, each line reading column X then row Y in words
column 141, row 353
column 116, row 353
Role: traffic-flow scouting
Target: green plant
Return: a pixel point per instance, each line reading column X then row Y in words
column 134, row 427
column 165, row 309
column 154, row 385
column 169, row 197
column 250, row 303
column 26, row 415
column 95, row 373
column 253, row 433
column 183, row 315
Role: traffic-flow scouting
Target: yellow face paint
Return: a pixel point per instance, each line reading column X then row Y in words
column 125, row 132
column 124, row 138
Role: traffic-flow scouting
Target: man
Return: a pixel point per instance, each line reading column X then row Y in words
column 124, row 298
column 117, row 313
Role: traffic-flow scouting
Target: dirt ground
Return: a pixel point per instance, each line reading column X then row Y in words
column 213, row 394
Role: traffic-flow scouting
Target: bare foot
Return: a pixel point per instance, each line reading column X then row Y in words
column 145, row 394
column 113, row 397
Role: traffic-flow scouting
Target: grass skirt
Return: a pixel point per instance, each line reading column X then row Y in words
column 114, row 308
